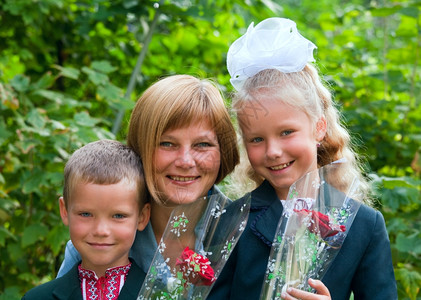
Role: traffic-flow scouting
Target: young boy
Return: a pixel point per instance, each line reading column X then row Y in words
column 104, row 205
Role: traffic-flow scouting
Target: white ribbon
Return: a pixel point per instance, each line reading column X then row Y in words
column 274, row 43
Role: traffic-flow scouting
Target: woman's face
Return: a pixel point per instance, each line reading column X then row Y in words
column 186, row 163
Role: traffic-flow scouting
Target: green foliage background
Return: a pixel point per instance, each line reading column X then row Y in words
column 65, row 80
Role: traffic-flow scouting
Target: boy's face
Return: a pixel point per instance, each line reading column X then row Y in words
column 102, row 221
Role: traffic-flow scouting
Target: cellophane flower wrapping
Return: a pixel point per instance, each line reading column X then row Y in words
column 316, row 219
column 195, row 246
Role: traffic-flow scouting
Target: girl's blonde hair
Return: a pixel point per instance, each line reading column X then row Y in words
column 174, row 102
column 305, row 91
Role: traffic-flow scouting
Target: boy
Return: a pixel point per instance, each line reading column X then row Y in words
column 103, row 205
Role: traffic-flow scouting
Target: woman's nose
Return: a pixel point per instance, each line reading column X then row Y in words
column 185, row 159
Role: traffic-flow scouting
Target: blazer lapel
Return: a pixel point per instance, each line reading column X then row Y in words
column 68, row 286
column 265, row 224
column 133, row 283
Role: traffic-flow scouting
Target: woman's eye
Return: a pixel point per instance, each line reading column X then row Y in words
column 203, row 145
column 165, row 144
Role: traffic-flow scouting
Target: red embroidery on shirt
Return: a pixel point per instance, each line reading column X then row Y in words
column 104, row 288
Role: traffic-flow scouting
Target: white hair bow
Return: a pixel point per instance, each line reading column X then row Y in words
column 274, row 43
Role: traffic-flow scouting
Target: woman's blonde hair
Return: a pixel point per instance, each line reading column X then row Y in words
column 174, row 102
column 305, row 91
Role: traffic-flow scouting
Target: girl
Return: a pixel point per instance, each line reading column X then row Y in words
column 290, row 127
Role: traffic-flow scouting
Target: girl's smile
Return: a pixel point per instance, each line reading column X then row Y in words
column 280, row 167
column 280, row 143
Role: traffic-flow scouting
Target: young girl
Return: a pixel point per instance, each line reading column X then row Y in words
column 290, row 127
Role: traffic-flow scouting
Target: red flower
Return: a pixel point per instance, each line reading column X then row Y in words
column 321, row 223
column 196, row 268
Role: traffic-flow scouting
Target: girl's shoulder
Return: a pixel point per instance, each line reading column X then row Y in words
column 369, row 223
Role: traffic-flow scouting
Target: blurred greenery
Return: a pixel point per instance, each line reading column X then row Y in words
column 65, row 69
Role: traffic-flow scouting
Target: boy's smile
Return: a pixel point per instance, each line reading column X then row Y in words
column 103, row 220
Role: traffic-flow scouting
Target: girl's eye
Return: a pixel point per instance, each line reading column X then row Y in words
column 286, row 132
column 85, row 214
column 256, row 140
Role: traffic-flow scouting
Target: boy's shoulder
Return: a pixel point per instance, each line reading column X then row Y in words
column 65, row 287
column 68, row 286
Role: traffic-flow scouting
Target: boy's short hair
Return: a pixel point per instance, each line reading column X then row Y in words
column 104, row 162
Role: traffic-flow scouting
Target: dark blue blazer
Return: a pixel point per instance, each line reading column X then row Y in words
column 68, row 286
column 363, row 265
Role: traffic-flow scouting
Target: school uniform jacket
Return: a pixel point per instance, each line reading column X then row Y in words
column 67, row 287
column 363, row 265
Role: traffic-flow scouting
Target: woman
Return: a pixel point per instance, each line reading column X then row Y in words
column 183, row 133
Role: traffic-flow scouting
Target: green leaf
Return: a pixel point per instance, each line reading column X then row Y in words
column 411, row 11
column 33, row 181
column 4, row 233
column 33, row 233
column 36, row 119
column 11, row 293
column 44, row 82
column 385, row 11
column 103, row 66
column 84, row 119
column 57, row 97
column 68, row 72
column 96, row 77
column 57, row 237
column 4, row 132
column 409, row 244
column 410, row 280
column 20, row 83
column 110, row 92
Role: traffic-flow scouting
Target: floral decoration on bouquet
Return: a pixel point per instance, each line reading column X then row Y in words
column 195, row 246
column 195, row 268
column 315, row 222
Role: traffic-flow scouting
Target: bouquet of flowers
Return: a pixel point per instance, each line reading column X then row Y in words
column 317, row 216
column 195, row 246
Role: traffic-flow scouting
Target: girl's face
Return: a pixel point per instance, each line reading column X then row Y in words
column 281, row 142
column 186, row 163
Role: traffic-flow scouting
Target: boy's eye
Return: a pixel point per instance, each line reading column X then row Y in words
column 119, row 216
column 85, row 214
column 286, row 132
